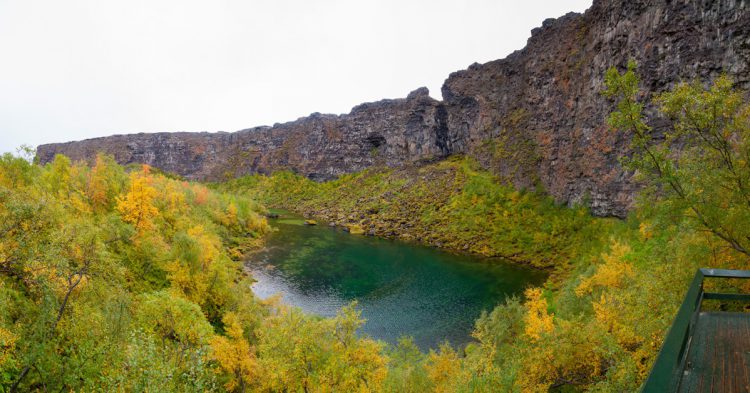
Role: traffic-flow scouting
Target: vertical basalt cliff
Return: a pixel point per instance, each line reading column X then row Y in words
column 543, row 104
column 536, row 118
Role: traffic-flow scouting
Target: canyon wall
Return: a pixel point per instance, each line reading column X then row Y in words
column 387, row 132
column 536, row 118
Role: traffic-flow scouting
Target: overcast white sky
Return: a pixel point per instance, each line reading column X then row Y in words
column 78, row 69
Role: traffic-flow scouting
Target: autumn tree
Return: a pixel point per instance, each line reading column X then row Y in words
column 236, row 359
column 699, row 162
column 302, row 353
column 178, row 324
column 137, row 206
column 104, row 182
column 444, row 369
column 538, row 320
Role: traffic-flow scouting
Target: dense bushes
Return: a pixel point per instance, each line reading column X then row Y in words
column 115, row 281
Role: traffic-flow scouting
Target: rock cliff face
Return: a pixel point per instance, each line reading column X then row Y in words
column 536, row 117
column 387, row 132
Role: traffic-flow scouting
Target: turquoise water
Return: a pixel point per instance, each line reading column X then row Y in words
column 401, row 288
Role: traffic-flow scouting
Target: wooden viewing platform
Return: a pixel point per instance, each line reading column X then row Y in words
column 705, row 351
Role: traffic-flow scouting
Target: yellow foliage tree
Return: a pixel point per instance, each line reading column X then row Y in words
column 614, row 299
column 300, row 353
column 443, row 369
column 572, row 354
column 611, row 274
column 357, row 364
column 230, row 216
column 137, row 206
column 175, row 197
column 198, row 278
column 209, row 245
column 236, row 359
column 538, row 320
column 98, row 188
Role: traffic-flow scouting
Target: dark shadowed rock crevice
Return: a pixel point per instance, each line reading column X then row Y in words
column 536, row 117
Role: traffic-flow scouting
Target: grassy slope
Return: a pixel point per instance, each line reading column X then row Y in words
column 450, row 204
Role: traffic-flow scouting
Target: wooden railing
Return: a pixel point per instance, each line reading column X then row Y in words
column 668, row 368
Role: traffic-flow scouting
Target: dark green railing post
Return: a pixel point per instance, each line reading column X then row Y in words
column 664, row 376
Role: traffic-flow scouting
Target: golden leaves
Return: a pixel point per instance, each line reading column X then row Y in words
column 137, row 207
column 98, row 188
column 233, row 353
column 443, row 368
column 538, row 321
column 611, row 274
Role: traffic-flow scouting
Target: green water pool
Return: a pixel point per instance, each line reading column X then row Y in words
column 402, row 289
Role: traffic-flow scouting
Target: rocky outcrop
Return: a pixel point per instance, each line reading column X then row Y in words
column 322, row 147
column 535, row 118
column 543, row 103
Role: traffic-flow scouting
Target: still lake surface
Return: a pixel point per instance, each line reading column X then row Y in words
column 402, row 289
